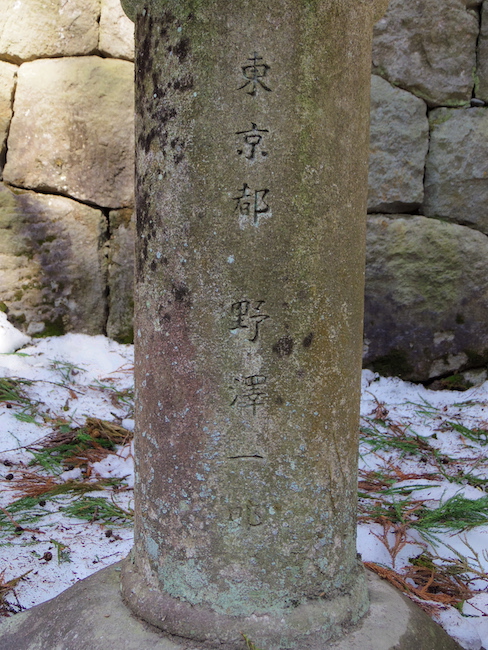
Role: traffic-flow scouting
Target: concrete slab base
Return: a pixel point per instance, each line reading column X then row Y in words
column 92, row 616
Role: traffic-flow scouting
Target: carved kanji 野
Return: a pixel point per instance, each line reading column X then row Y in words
column 248, row 315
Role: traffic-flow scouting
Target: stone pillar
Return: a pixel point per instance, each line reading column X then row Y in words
column 252, row 148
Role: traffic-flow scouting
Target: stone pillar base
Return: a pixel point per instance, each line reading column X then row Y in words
column 91, row 615
column 306, row 627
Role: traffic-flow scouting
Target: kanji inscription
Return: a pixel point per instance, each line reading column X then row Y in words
column 253, row 143
column 250, row 513
column 251, row 392
column 248, row 315
column 254, row 74
column 251, row 204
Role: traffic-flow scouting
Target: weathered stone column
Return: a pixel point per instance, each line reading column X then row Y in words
column 252, row 143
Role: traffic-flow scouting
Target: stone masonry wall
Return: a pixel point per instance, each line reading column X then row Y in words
column 426, row 311
column 66, row 179
column 66, row 164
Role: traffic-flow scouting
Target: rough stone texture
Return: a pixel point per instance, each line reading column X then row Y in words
column 252, row 170
column 52, row 269
column 77, row 139
column 399, row 139
column 8, row 74
column 456, row 178
column 92, row 610
column 482, row 71
column 429, row 48
column 116, row 31
column 426, row 297
column 48, row 28
column 121, row 276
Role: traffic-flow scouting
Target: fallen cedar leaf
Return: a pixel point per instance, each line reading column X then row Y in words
column 9, row 585
column 433, row 585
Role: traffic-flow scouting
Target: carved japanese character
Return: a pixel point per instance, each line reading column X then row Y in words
column 254, row 73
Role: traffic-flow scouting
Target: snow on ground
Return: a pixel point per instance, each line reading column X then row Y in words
column 73, row 377
column 420, row 450
column 427, row 449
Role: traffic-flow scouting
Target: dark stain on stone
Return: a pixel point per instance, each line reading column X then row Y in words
column 142, row 207
column 284, row 347
column 178, row 145
column 150, row 32
column 181, row 293
column 164, row 317
column 144, row 142
column 160, row 115
column 142, row 222
column 181, row 49
column 144, row 29
column 185, row 83
column 165, row 113
column 394, row 364
column 141, row 259
column 145, row 138
column 307, row 341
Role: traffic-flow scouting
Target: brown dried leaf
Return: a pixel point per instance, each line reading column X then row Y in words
column 431, row 584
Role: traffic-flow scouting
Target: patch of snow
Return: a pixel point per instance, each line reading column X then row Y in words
column 10, row 337
column 460, row 628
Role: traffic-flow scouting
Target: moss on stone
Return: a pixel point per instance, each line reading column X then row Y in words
column 444, row 116
column 126, row 338
column 476, row 82
column 393, row 364
column 52, row 328
column 476, row 359
column 17, row 320
column 455, row 382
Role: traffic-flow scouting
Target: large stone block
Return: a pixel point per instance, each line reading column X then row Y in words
column 8, row 73
column 426, row 297
column 456, row 178
column 72, row 129
column 399, row 141
column 429, row 48
column 482, row 72
column 121, row 276
column 38, row 29
column 52, row 265
column 116, row 31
